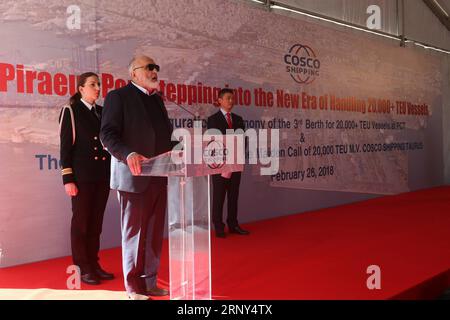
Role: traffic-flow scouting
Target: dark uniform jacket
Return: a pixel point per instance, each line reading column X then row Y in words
column 85, row 160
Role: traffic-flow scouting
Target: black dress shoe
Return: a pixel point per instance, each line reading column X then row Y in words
column 239, row 230
column 220, row 234
column 157, row 292
column 90, row 278
column 103, row 275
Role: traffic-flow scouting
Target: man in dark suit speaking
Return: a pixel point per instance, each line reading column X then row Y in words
column 135, row 126
column 226, row 184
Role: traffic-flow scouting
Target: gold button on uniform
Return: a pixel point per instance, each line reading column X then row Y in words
column 96, row 158
column 95, row 148
column 104, row 158
column 95, row 138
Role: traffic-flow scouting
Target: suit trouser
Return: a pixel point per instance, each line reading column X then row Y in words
column 230, row 188
column 142, row 221
column 88, row 208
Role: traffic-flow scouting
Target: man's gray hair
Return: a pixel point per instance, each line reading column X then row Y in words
column 131, row 66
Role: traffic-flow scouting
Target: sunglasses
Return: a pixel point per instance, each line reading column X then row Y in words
column 149, row 67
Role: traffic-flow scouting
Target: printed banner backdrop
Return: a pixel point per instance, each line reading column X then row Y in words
column 358, row 115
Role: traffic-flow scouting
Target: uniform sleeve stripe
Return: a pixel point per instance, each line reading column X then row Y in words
column 66, row 171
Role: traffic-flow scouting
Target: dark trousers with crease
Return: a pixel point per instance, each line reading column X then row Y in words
column 142, row 222
column 88, row 208
column 225, row 187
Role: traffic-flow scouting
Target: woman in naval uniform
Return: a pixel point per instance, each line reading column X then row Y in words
column 85, row 172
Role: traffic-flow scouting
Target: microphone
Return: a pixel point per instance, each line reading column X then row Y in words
column 195, row 115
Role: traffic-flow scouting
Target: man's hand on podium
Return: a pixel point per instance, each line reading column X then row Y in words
column 134, row 160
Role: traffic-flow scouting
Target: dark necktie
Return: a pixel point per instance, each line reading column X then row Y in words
column 94, row 111
column 230, row 123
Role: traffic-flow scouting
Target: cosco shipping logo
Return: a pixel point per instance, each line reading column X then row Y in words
column 215, row 154
column 302, row 64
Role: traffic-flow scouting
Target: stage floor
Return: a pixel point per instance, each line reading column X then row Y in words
column 315, row 255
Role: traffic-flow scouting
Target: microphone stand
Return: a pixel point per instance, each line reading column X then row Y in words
column 195, row 115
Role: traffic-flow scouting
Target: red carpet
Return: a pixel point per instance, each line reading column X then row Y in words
column 316, row 255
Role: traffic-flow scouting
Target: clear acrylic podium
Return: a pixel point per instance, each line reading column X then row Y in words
column 189, row 211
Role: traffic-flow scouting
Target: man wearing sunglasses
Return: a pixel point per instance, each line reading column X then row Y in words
column 135, row 127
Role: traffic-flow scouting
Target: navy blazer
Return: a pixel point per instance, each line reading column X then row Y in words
column 127, row 127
